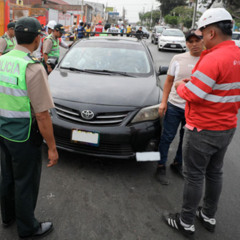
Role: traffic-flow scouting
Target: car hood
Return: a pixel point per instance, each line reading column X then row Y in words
column 172, row 38
column 104, row 89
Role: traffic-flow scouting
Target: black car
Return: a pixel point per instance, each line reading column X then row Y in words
column 106, row 94
column 156, row 32
column 145, row 31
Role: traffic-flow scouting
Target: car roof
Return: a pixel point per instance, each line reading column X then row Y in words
column 174, row 29
column 116, row 39
column 236, row 32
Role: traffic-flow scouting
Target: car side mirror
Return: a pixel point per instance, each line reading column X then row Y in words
column 162, row 70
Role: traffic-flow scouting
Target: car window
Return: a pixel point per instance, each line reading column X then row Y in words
column 111, row 57
column 169, row 32
column 236, row 36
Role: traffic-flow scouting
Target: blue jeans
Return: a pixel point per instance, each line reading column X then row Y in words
column 204, row 152
column 174, row 116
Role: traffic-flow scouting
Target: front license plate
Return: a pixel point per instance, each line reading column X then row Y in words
column 147, row 156
column 173, row 46
column 91, row 138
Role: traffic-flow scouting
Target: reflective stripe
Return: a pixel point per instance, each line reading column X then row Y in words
column 204, row 78
column 227, row 86
column 13, row 114
column 54, row 49
column 13, row 92
column 210, row 97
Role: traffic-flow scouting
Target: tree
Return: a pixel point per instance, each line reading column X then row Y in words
column 145, row 18
column 167, row 6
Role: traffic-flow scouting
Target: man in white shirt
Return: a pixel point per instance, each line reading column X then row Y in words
column 172, row 105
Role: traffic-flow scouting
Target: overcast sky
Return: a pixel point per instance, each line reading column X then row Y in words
column 133, row 7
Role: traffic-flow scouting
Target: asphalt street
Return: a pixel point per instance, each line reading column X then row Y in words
column 105, row 199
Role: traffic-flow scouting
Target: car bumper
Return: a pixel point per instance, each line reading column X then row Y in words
column 121, row 142
column 172, row 46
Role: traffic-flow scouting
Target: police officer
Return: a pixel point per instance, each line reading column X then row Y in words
column 25, row 100
column 51, row 46
column 7, row 41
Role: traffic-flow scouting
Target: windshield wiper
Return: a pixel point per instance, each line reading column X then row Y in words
column 111, row 72
column 84, row 70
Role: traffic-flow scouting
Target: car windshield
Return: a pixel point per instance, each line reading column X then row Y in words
column 108, row 57
column 236, row 36
column 159, row 29
column 176, row 33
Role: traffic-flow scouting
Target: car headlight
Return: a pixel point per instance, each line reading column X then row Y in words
column 147, row 114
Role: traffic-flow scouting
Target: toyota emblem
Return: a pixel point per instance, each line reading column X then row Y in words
column 87, row 114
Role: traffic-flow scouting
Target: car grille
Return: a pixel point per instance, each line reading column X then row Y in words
column 168, row 45
column 104, row 148
column 73, row 115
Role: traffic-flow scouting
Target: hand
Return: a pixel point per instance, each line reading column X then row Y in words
column 53, row 157
column 49, row 68
column 162, row 109
column 184, row 81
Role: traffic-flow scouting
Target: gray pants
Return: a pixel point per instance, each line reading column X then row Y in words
column 203, row 155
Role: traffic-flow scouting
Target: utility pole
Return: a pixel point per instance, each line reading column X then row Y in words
column 82, row 11
column 151, row 17
column 194, row 13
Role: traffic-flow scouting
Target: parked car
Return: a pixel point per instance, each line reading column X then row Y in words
column 156, row 32
column 145, row 31
column 236, row 38
column 172, row 39
column 106, row 94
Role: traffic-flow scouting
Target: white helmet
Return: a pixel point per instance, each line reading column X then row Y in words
column 214, row 15
column 51, row 24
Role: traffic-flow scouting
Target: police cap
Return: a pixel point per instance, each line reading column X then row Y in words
column 28, row 24
column 11, row 25
column 59, row 27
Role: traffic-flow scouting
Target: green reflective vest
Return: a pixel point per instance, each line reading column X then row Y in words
column 15, row 109
column 10, row 44
column 55, row 51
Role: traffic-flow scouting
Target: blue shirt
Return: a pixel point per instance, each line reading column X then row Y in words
column 80, row 31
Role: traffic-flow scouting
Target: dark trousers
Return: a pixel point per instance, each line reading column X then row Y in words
column 203, row 154
column 20, row 178
column 173, row 118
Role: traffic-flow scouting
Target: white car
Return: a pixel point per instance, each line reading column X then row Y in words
column 172, row 39
column 236, row 38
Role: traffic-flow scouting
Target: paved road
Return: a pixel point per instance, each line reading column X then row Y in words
column 99, row 199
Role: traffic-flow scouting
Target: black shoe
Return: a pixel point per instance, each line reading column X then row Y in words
column 173, row 220
column 177, row 168
column 44, row 229
column 161, row 175
column 8, row 224
column 208, row 223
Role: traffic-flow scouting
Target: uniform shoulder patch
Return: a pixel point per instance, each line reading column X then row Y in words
column 33, row 58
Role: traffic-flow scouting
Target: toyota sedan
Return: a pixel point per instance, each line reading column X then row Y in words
column 106, row 94
column 172, row 39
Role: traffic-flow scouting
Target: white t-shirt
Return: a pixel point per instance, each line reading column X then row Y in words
column 180, row 67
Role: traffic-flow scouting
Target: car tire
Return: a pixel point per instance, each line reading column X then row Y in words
column 159, row 49
column 183, row 50
column 152, row 41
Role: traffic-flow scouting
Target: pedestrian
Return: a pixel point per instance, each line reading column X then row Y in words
column 7, row 41
column 172, row 106
column 25, row 100
column 51, row 46
column 88, row 30
column 98, row 28
column 129, row 30
column 80, row 30
column 139, row 33
column 212, row 97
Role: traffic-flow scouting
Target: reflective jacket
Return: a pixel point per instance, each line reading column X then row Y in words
column 10, row 43
column 98, row 28
column 15, row 109
column 213, row 93
column 55, row 51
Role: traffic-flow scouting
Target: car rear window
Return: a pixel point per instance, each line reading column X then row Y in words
column 172, row 33
column 129, row 58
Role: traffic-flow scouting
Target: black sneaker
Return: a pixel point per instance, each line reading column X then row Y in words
column 173, row 220
column 177, row 168
column 208, row 223
column 161, row 175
